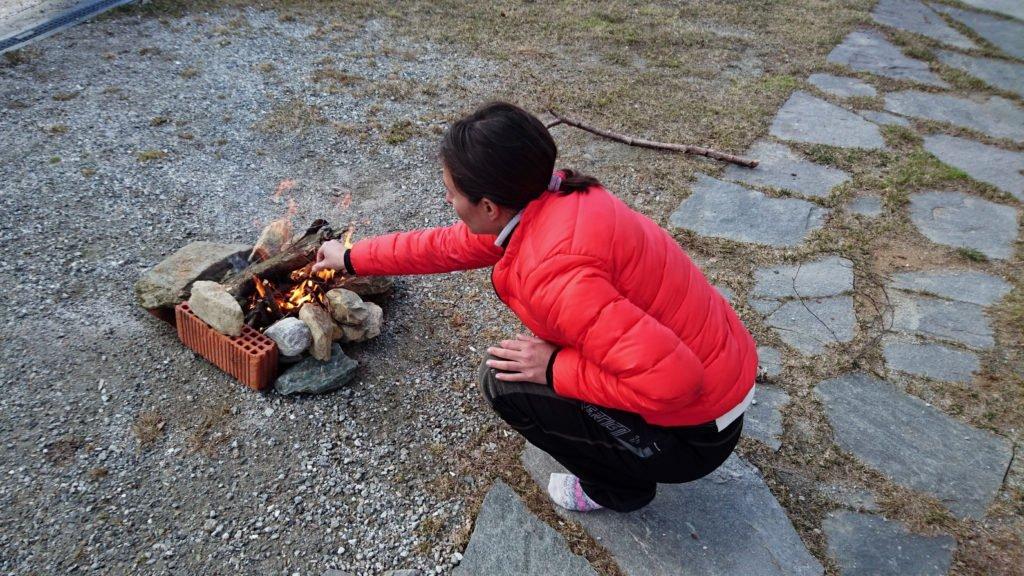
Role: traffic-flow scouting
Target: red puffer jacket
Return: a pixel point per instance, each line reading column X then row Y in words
column 640, row 327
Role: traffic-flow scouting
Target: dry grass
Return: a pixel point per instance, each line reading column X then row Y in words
column 293, row 116
column 212, row 429
column 148, row 428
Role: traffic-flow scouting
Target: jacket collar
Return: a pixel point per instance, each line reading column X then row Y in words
column 506, row 233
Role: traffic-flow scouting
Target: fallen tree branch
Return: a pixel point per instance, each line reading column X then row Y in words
column 684, row 148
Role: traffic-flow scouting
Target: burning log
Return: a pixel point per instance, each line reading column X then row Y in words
column 273, row 238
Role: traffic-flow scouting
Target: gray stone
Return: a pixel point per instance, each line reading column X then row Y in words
column 867, row 545
column 884, row 118
column 167, row 284
column 1001, row 74
column 996, row 117
column 347, row 307
column 291, row 335
column 829, row 276
column 849, row 496
column 842, row 86
column 914, row 16
column 213, row 305
column 930, row 360
column 1007, row 35
column 811, row 324
column 964, row 221
column 780, row 167
column 763, row 420
column 914, row 444
column 312, row 376
column 1013, row 8
column 963, row 285
column 805, row 118
column 726, row 523
column 769, row 361
column 509, row 540
column 942, row 319
column 869, row 51
column 867, row 206
column 368, row 329
column 405, row 572
column 989, row 164
column 321, row 327
column 726, row 210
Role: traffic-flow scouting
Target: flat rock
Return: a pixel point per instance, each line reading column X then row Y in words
column 321, row 327
column 347, row 307
column 941, row 319
column 996, row 117
column 1013, row 8
column 1001, row 74
column 989, row 164
column 763, row 420
column 782, row 168
column 213, row 305
column 883, row 118
column 809, row 325
column 896, row 433
column 167, row 284
column 805, row 118
column 312, row 376
column 867, row 206
column 962, row 285
column 826, row 277
column 842, row 86
column 725, row 210
column 1007, row 35
column 930, row 360
column 291, row 335
column 850, row 496
column 509, row 540
column 869, row 51
column 868, row 545
column 964, row 221
column 769, row 361
column 724, row 524
column 914, row 16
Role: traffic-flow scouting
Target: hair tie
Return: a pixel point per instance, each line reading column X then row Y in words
column 555, row 184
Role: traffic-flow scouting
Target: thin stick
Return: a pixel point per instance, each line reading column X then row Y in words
column 684, row 148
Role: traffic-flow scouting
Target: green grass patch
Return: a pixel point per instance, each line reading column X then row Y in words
column 971, row 255
column 399, row 132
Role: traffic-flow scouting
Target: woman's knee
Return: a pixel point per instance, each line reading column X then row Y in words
column 487, row 381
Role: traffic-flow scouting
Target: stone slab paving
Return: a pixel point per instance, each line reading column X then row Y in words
column 867, row 206
column 883, row 118
column 769, row 361
column 996, row 117
column 725, row 210
column 868, row 545
column 782, row 168
column 1013, row 8
column 915, row 444
column 869, row 51
column 842, row 86
column 914, row 16
column 853, row 497
column 962, row 285
column 509, row 540
column 1002, row 74
column 941, row 319
column 763, row 420
column 965, row 221
column 1007, row 35
column 989, row 164
column 806, row 118
column 724, row 524
column 829, row 276
column 929, row 359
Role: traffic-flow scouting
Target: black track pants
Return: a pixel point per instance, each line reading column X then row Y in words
column 618, row 457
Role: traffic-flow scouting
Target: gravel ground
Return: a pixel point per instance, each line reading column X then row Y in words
column 124, row 139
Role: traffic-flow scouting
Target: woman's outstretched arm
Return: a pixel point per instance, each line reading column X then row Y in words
column 425, row 251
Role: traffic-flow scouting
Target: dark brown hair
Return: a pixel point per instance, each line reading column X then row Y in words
column 505, row 154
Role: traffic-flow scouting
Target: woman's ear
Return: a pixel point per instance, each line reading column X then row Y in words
column 491, row 210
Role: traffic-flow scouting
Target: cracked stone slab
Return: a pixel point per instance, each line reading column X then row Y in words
column 726, row 210
column 897, row 434
column 769, row 361
column 930, row 360
column 805, row 118
column 964, row 221
column 869, row 51
column 809, row 325
column 782, row 168
column 989, row 164
column 914, row 16
column 724, row 524
column 869, row 545
column 1002, row 74
column 842, row 86
column 867, row 206
column 829, row 276
column 883, row 118
column 941, row 319
column 509, row 540
column 963, row 285
column 849, row 496
column 1013, row 8
column 763, row 420
column 996, row 117
column 1007, row 35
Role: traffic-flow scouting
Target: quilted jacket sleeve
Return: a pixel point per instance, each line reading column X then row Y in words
column 426, row 251
column 614, row 354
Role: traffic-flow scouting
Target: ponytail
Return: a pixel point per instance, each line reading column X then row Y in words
column 575, row 182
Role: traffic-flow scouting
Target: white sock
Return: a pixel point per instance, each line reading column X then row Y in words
column 565, row 490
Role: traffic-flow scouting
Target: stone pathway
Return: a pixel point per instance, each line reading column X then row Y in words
column 869, row 51
column 914, row 16
column 842, row 86
column 1007, row 35
column 1009, row 7
column 806, row 118
column 996, row 117
column 867, row 545
column 1001, row 168
column 782, row 168
column 1004, row 75
column 964, row 221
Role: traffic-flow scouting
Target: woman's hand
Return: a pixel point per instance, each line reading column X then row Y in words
column 524, row 359
column 330, row 255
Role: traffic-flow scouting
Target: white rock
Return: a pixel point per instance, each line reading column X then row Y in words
column 292, row 335
column 213, row 305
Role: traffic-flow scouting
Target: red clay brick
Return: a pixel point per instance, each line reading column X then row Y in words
column 251, row 357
